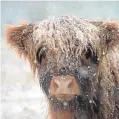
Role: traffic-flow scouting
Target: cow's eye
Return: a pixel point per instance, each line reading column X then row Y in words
column 41, row 55
column 89, row 56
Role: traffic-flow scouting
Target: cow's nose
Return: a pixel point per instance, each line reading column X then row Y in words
column 64, row 87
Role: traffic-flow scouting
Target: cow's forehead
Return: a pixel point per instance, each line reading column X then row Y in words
column 62, row 31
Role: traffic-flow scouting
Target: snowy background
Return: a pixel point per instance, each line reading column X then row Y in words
column 21, row 96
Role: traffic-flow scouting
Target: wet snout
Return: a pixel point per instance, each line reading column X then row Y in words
column 64, row 87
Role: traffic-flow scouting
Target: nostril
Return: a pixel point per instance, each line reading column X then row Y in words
column 55, row 85
column 70, row 85
column 57, row 82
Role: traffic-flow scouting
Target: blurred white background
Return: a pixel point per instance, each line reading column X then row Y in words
column 21, row 96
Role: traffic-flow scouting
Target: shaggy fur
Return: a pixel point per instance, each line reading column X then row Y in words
column 65, row 40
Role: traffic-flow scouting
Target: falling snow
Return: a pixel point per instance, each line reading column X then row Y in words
column 21, row 96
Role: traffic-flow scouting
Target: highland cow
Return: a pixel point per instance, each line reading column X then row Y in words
column 77, row 62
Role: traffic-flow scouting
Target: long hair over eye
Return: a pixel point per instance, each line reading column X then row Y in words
column 41, row 55
column 89, row 56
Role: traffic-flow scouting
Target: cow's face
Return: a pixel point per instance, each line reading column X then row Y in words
column 66, row 76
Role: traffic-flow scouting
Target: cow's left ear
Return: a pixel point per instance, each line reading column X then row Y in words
column 109, row 32
column 20, row 38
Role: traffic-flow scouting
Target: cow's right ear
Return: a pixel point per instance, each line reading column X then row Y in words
column 20, row 38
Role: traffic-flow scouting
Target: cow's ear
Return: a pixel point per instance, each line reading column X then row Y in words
column 109, row 32
column 20, row 38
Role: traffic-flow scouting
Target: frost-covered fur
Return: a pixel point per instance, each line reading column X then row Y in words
column 65, row 40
